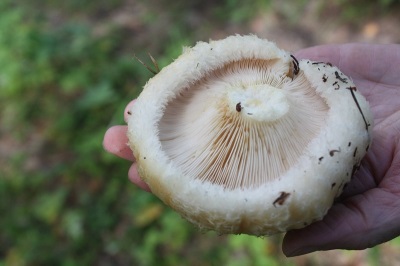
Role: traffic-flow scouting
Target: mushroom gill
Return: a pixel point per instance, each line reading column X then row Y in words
column 217, row 131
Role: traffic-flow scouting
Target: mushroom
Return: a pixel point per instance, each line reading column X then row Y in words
column 238, row 136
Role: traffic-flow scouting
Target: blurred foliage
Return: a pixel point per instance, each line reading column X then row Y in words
column 66, row 73
column 348, row 12
column 64, row 201
column 355, row 11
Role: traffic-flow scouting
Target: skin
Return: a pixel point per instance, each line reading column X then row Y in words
column 368, row 211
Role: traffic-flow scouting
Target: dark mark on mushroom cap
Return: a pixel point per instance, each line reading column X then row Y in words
column 332, row 152
column 281, row 199
column 296, row 68
column 239, row 107
column 336, row 85
column 352, row 89
column 355, row 152
column 344, row 80
column 325, row 64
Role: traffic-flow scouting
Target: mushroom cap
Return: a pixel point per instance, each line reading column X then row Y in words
column 238, row 136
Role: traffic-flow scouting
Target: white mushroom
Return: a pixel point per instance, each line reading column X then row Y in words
column 238, row 136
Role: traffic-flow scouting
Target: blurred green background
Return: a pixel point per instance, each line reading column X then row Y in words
column 66, row 73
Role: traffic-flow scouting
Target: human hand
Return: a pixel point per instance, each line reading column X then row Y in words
column 368, row 211
column 116, row 142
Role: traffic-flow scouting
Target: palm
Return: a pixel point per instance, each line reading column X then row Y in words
column 367, row 212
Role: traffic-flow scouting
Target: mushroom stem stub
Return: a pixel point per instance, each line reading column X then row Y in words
column 262, row 103
column 239, row 136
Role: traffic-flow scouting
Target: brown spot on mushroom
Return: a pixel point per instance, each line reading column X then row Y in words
column 296, row 68
column 324, row 78
column 336, row 85
column 318, row 63
column 349, row 144
column 129, row 112
column 281, row 199
column 238, row 107
column 337, row 75
column 332, row 152
column 352, row 89
column 323, row 63
column 355, row 152
column 320, row 159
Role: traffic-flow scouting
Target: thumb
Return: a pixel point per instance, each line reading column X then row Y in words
column 360, row 222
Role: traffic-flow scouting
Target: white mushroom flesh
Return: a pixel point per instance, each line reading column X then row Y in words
column 239, row 137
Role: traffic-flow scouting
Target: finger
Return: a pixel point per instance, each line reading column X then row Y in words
column 135, row 178
column 374, row 166
column 116, row 142
column 361, row 222
column 127, row 111
column 361, row 181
